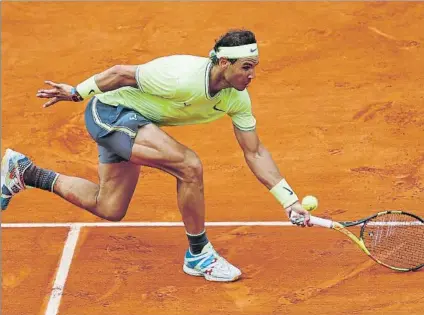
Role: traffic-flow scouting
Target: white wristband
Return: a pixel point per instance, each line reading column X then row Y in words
column 88, row 88
column 284, row 193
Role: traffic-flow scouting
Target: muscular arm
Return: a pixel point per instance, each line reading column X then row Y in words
column 116, row 77
column 258, row 158
column 108, row 80
column 263, row 166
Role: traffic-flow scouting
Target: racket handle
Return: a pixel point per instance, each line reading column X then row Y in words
column 315, row 220
column 321, row 222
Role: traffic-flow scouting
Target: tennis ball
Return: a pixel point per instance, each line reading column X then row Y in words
column 309, row 203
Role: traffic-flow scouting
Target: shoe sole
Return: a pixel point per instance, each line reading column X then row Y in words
column 5, row 169
column 5, row 166
column 196, row 273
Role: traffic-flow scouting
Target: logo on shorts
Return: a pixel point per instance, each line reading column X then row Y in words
column 133, row 117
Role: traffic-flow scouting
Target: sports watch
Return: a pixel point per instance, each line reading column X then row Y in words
column 75, row 96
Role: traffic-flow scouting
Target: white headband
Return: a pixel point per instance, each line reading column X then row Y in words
column 236, row 52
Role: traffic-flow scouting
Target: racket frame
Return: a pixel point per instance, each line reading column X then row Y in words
column 342, row 228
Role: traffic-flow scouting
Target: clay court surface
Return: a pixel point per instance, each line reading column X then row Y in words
column 339, row 100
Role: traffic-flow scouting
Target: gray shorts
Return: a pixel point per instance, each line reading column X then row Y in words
column 114, row 128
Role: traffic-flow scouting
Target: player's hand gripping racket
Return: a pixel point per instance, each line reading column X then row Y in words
column 394, row 239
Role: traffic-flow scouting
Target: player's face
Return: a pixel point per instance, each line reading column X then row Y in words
column 241, row 73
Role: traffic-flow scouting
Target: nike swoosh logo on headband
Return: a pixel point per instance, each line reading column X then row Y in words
column 253, row 50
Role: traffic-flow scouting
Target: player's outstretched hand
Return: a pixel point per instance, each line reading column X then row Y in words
column 298, row 215
column 58, row 92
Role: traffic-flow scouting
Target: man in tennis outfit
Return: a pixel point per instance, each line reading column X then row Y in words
column 127, row 106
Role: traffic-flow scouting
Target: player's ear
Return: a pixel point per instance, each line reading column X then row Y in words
column 224, row 63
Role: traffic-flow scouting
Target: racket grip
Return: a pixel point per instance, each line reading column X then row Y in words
column 321, row 222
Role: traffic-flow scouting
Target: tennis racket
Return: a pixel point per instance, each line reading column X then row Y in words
column 394, row 239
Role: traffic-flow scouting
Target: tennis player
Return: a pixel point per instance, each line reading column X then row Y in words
column 127, row 106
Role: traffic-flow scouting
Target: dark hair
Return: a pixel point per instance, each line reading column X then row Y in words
column 232, row 38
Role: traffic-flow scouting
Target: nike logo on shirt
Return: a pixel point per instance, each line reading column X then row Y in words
column 216, row 108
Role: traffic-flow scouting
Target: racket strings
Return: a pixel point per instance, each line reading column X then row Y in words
column 395, row 239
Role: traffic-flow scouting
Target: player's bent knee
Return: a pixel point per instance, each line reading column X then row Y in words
column 114, row 217
column 193, row 168
column 112, row 212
